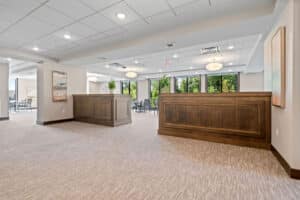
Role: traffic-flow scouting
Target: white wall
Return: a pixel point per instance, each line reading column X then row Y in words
column 49, row 110
column 285, row 122
column 250, row 82
column 94, row 87
column 4, row 70
column 143, row 89
column 296, row 88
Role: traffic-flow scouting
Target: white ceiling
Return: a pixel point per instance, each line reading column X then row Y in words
column 149, row 25
column 187, row 59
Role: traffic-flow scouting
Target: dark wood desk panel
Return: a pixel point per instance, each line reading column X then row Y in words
column 233, row 118
column 105, row 109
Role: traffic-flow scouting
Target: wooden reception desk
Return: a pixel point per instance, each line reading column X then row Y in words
column 232, row 118
column 105, row 109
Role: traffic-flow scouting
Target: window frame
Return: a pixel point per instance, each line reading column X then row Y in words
column 187, row 78
column 129, row 88
column 221, row 75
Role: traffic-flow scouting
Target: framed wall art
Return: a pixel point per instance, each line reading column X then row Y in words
column 278, row 61
column 59, row 86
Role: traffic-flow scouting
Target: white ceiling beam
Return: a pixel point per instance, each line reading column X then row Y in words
column 20, row 55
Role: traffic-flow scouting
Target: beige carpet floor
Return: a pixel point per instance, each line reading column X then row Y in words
column 83, row 161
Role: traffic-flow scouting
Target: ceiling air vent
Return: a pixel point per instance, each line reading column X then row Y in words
column 210, row 50
column 117, row 65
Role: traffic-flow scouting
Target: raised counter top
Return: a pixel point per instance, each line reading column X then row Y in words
column 104, row 109
column 242, row 118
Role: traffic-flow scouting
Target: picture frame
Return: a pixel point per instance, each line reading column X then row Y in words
column 278, row 62
column 59, row 86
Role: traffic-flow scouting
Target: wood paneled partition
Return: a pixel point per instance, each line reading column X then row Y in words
column 105, row 109
column 233, row 118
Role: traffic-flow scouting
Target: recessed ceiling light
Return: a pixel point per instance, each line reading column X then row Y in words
column 67, row 36
column 136, row 62
column 160, row 70
column 230, row 63
column 131, row 74
column 175, row 55
column 121, row 16
column 8, row 59
column 214, row 66
column 35, row 48
column 107, row 66
column 231, row 47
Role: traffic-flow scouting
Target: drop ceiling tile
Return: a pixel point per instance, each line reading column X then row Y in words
column 99, row 4
column 51, row 16
column 80, row 30
column 148, row 8
column 51, row 42
column 99, row 22
column 73, row 9
column 97, row 37
column 112, row 12
column 115, row 31
column 9, row 16
column 138, row 27
column 27, row 30
column 194, row 9
column 176, row 3
column 22, row 7
column 162, row 21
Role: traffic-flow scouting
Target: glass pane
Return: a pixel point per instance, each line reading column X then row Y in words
column 214, row 84
column 164, row 84
column 125, row 87
column 194, row 84
column 133, row 90
column 180, row 86
column 154, row 91
column 229, row 83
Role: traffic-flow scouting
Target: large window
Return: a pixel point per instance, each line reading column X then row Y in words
column 158, row 86
column 125, row 87
column 133, row 90
column 181, row 84
column 187, row 84
column 154, row 91
column 129, row 88
column 194, row 84
column 222, row 83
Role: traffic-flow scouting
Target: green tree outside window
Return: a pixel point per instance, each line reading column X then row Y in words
column 222, row 83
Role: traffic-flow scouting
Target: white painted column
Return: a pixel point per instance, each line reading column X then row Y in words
column 203, row 83
column 4, row 73
column 172, row 85
column 143, row 89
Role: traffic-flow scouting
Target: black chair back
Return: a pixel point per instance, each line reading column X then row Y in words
column 147, row 104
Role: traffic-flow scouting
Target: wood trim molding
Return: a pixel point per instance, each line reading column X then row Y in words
column 293, row 173
column 4, row 118
column 54, row 121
